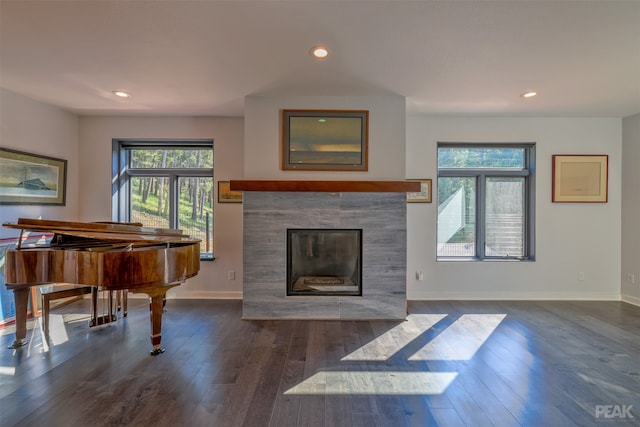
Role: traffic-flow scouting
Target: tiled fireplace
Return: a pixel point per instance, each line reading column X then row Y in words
column 268, row 217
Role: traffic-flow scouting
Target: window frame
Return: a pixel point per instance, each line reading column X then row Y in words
column 122, row 174
column 481, row 175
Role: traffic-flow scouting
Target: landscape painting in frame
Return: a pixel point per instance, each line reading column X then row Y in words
column 325, row 140
column 226, row 195
column 31, row 179
column 424, row 195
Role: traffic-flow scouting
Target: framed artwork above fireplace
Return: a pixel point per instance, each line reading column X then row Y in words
column 325, row 140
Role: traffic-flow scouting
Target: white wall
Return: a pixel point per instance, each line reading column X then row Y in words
column 386, row 136
column 96, row 135
column 570, row 238
column 631, row 208
column 34, row 127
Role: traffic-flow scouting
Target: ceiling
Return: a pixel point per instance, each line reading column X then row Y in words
column 202, row 57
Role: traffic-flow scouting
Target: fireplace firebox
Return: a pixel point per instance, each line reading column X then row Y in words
column 324, row 262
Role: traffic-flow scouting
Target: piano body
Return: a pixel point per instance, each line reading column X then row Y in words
column 113, row 256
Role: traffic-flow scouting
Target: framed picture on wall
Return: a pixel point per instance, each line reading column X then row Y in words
column 225, row 195
column 422, row 196
column 580, row 178
column 32, row 179
column 325, row 140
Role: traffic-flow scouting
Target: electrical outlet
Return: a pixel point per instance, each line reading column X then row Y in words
column 631, row 278
column 419, row 275
column 232, row 275
column 581, row 275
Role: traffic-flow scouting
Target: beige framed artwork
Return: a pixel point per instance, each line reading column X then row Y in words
column 325, row 140
column 580, row 178
column 422, row 196
column 225, row 195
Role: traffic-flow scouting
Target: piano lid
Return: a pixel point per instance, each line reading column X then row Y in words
column 110, row 231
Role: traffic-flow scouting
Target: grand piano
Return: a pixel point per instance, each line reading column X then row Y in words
column 112, row 256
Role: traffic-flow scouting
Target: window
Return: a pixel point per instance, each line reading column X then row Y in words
column 165, row 184
column 486, row 201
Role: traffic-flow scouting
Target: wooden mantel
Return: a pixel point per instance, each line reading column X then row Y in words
column 327, row 186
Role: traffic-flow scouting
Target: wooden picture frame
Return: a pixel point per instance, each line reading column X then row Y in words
column 226, row 195
column 32, row 179
column 422, row 196
column 580, row 178
column 325, row 140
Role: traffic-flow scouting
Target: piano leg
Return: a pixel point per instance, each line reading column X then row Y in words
column 21, row 296
column 156, row 305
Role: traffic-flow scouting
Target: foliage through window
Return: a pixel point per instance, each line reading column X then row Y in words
column 166, row 184
column 486, row 201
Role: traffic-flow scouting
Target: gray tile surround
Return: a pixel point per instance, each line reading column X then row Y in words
column 383, row 220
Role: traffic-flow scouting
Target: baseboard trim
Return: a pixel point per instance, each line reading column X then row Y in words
column 195, row 295
column 515, row 296
column 631, row 300
column 435, row 296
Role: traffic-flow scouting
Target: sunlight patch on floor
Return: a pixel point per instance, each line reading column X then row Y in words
column 374, row 382
column 7, row 371
column 607, row 385
column 462, row 339
column 57, row 330
column 393, row 340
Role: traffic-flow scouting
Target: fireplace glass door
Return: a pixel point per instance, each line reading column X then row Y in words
column 324, row 262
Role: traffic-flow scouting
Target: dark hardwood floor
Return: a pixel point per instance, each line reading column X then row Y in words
column 450, row 364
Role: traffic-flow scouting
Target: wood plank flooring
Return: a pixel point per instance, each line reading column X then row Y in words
column 450, row 363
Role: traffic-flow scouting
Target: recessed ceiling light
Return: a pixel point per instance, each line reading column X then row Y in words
column 121, row 94
column 319, row 52
column 529, row 94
